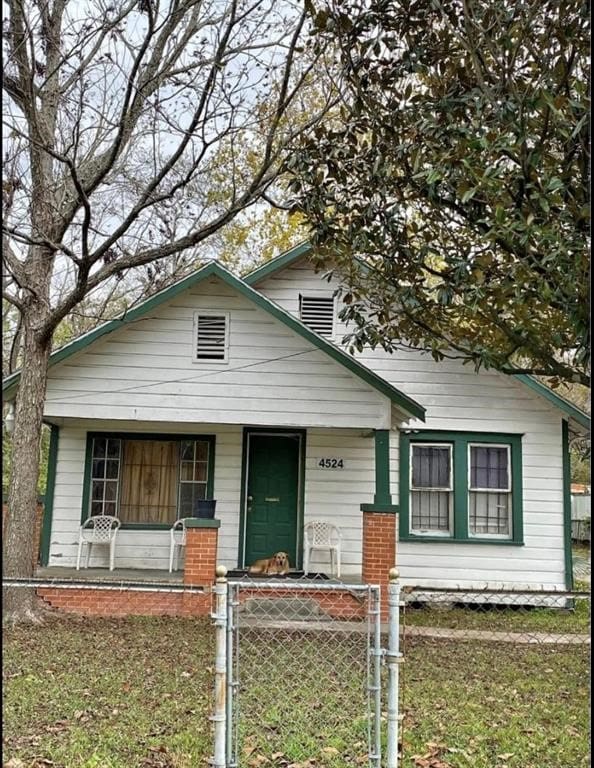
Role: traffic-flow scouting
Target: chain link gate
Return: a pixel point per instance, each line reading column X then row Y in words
column 301, row 673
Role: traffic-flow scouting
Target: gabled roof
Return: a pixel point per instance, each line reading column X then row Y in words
column 277, row 263
column 406, row 403
column 289, row 257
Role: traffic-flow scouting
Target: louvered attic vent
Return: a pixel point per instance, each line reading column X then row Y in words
column 317, row 312
column 210, row 334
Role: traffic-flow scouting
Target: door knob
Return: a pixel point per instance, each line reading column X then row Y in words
column 250, row 498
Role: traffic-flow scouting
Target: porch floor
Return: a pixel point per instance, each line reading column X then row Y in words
column 135, row 575
column 104, row 574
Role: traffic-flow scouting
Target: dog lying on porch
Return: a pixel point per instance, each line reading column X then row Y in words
column 277, row 565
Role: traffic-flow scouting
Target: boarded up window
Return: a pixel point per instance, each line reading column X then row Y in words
column 317, row 312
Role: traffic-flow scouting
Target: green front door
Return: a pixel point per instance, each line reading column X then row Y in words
column 272, row 496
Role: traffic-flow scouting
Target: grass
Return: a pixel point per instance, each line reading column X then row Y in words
column 136, row 693
column 575, row 620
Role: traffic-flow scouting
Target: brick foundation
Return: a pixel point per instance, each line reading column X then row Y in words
column 199, row 571
column 38, row 524
column 107, row 602
column 379, row 551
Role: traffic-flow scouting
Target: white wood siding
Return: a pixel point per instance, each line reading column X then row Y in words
column 141, row 549
column 333, row 495
column 145, row 372
column 458, row 399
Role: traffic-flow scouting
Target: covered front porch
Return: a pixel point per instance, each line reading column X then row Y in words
column 268, row 482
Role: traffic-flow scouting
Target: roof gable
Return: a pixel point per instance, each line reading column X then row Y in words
column 293, row 255
column 404, row 402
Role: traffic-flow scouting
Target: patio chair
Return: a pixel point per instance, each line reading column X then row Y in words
column 99, row 529
column 322, row 536
column 177, row 535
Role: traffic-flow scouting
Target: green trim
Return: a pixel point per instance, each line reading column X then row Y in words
column 407, row 404
column 300, row 493
column 382, row 468
column 277, row 263
column 210, row 439
column 388, row 509
column 294, row 254
column 460, row 441
column 48, row 506
column 567, row 505
column 582, row 418
column 202, row 522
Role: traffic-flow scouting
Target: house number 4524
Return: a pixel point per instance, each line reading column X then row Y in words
column 331, row 463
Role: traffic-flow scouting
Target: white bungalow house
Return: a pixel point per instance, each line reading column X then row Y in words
column 239, row 390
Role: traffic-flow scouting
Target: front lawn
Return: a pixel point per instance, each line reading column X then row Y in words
column 135, row 693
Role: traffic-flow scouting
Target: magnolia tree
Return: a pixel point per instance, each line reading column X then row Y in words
column 459, row 178
column 118, row 118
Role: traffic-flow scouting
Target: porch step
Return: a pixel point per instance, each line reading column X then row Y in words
column 290, row 608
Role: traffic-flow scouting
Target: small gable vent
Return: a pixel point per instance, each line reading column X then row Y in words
column 317, row 312
column 210, row 333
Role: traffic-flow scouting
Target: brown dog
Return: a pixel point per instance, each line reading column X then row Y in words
column 276, row 565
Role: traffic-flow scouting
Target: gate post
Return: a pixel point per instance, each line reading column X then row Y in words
column 220, row 711
column 393, row 658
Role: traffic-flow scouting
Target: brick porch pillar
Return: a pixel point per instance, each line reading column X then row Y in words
column 379, row 551
column 201, row 551
column 380, row 521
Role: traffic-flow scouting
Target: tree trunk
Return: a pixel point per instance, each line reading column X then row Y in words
column 20, row 603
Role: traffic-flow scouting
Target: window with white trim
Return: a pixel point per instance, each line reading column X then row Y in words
column 431, row 489
column 489, row 490
column 317, row 312
column 211, row 336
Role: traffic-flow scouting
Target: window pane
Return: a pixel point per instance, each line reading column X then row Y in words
column 430, row 510
column 96, row 508
column 200, row 471
column 189, row 494
column 488, row 467
column 99, row 444
column 430, row 466
column 489, row 513
column 98, row 468
column 187, row 451
column 187, row 471
column 111, row 491
column 113, row 449
column 201, row 451
column 97, row 490
column 112, row 469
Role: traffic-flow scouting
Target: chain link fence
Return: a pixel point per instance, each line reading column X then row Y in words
column 304, row 674
column 541, row 618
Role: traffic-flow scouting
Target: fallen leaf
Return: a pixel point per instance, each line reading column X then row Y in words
column 330, row 751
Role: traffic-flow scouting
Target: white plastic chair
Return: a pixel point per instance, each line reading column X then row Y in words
column 325, row 536
column 177, row 535
column 100, row 529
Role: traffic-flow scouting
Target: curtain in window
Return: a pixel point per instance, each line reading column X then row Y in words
column 149, row 481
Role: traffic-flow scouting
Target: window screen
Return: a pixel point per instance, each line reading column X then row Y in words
column 489, row 498
column 431, row 488
column 211, row 337
column 317, row 312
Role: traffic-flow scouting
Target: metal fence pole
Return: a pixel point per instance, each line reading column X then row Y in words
column 393, row 658
column 376, row 758
column 231, row 603
column 220, row 712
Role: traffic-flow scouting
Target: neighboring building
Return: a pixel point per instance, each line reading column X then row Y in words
column 239, row 390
